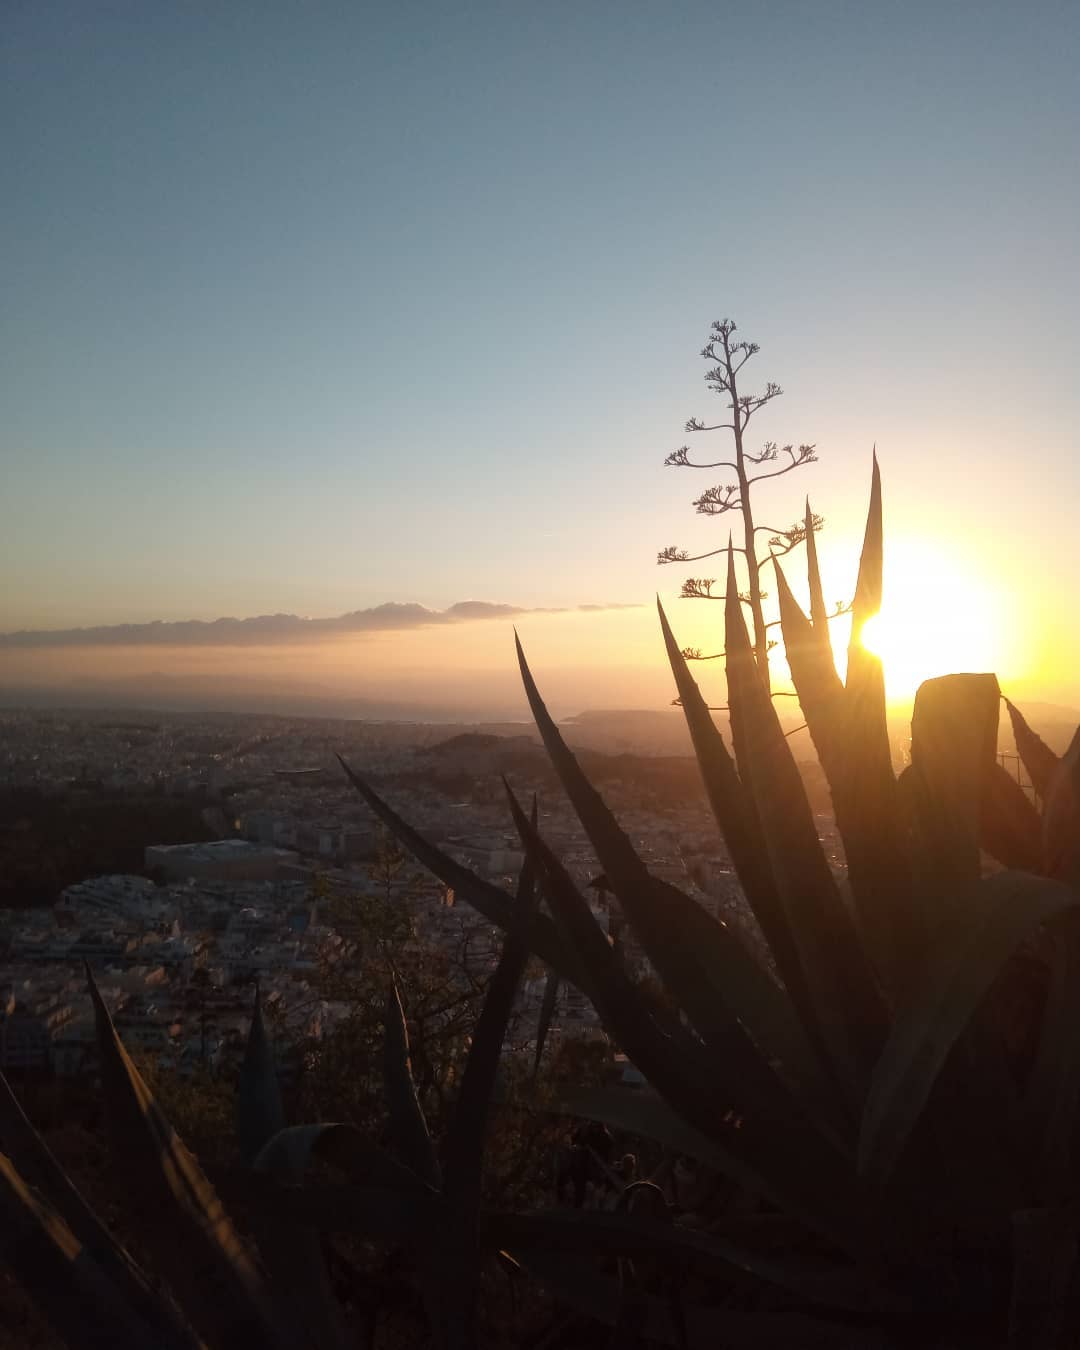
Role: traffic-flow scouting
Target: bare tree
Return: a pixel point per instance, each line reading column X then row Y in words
column 727, row 359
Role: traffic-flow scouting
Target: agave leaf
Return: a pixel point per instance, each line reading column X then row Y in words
column 868, row 587
column 634, row 1313
column 849, row 1017
column 408, row 1126
column 296, row 1267
column 813, row 670
column 733, row 1004
column 259, row 1112
column 293, row 1253
column 452, row 1260
column 547, row 1013
column 832, row 1208
column 645, row 1113
column 1053, row 1088
column 290, row 1153
column 39, row 1168
column 65, row 1281
column 630, row 1235
column 967, row 956
column 1035, row 755
column 774, row 1024
column 491, row 901
column 1061, row 818
column 597, row 1295
column 647, row 1272
column 1009, row 826
column 819, row 615
column 954, row 729
column 735, row 812
column 863, row 789
column 372, row 1211
column 1044, row 1258
column 672, row 1053
column 175, row 1210
column 464, row 1151
column 778, row 1159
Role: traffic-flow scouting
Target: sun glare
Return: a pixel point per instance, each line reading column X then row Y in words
column 934, row 621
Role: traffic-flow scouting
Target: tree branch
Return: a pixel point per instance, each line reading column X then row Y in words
column 778, row 473
column 673, row 554
column 699, row 588
column 679, row 458
column 693, row 424
column 791, row 538
column 715, row 501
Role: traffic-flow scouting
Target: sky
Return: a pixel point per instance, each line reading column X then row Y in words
column 314, row 308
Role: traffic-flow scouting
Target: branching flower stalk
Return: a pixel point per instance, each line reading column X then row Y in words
column 727, row 358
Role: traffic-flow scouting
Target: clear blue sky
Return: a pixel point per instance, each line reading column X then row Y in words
column 312, row 306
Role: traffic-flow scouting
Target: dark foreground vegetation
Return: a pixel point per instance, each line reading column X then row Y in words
column 50, row 841
column 888, row 1081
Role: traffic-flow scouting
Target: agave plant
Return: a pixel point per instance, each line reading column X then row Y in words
column 852, row 1071
column 858, row 1080
column 202, row 1281
column 222, row 1289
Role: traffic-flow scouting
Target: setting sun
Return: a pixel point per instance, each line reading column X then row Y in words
column 935, row 620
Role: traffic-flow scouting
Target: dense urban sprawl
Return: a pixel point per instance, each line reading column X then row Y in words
column 289, row 853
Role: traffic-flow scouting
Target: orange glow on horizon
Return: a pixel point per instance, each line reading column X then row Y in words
column 936, row 619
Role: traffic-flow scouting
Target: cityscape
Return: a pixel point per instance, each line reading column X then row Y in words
column 283, row 844
column 539, row 698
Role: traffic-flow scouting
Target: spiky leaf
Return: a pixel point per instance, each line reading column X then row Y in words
column 491, row 901
column 547, row 1013
column 776, row 1158
column 849, row 1019
column 597, row 1295
column 466, row 1137
column 776, row 1023
column 408, row 1127
column 1009, row 826
column 819, row 614
column 622, row 1234
column 1052, row 1099
column 38, row 1167
column 371, row 1211
column 1035, row 755
column 1061, row 818
column 967, row 956
column 862, row 787
column 953, row 745
column 174, row 1209
column 63, row 1278
column 1044, row 1260
column 863, row 783
column 735, row 812
column 726, row 995
column 813, row 671
column 259, row 1112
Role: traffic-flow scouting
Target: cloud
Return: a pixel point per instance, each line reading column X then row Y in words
column 271, row 629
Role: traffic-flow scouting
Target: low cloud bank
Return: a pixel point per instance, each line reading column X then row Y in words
column 266, row 629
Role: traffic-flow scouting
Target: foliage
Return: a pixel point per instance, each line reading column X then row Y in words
column 897, row 1128
column 49, row 842
column 867, row 1080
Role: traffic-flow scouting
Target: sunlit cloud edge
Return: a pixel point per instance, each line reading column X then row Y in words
column 270, row 629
